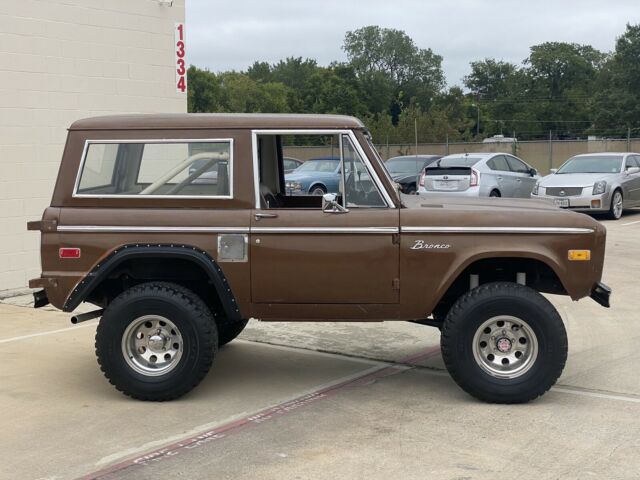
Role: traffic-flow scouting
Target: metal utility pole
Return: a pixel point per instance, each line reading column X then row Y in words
column 447, row 144
column 628, row 139
column 478, row 119
column 550, row 151
column 415, row 126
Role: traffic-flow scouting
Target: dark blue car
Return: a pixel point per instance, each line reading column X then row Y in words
column 314, row 177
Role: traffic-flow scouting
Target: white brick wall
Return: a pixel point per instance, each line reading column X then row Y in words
column 61, row 60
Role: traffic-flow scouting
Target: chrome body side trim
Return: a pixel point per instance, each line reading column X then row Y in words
column 322, row 230
column 534, row 230
column 157, row 229
column 362, row 230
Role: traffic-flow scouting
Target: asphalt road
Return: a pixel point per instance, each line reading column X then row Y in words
column 328, row 401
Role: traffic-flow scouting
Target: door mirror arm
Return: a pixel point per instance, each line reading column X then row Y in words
column 330, row 204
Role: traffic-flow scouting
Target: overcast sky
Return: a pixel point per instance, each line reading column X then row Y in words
column 232, row 34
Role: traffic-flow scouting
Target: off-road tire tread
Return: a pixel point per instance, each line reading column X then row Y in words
column 453, row 322
column 205, row 324
column 227, row 331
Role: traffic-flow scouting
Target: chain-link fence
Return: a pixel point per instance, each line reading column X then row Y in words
column 540, row 154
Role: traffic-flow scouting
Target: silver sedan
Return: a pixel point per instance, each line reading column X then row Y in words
column 478, row 175
column 595, row 183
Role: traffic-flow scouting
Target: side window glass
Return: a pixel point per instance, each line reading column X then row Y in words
column 632, row 161
column 297, row 184
column 359, row 188
column 517, row 166
column 157, row 169
column 499, row 163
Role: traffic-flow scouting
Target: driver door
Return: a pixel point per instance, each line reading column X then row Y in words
column 310, row 263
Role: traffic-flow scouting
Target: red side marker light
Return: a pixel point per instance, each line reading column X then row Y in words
column 69, row 253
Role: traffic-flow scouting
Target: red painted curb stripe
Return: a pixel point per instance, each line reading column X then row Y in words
column 261, row 416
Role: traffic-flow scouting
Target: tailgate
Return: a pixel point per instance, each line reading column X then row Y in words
column 447, row 179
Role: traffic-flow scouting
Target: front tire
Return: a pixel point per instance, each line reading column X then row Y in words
column 504, row 343
column 156, row 341
column 615, row 210
column 318, row 190
column 411, row 190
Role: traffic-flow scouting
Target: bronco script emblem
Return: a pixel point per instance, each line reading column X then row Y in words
column 421, row 245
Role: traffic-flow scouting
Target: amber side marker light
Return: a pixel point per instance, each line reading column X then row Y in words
column 69, row 253
column 580, row 255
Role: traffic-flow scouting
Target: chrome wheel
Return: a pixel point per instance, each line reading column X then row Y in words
column 318, row 191
column 616, row 204
column 505, row 347
column 152, row 345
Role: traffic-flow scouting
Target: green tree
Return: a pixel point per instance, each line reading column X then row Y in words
column 392, row 69
column 490, row 78
column 562, row 78
column 203, row 90
column 616, row 105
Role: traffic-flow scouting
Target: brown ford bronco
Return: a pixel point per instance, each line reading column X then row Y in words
column 182, row 227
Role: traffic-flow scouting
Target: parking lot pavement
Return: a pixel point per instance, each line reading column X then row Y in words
column 288, row 411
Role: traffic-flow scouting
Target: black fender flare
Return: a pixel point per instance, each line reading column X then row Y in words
column 126, row 252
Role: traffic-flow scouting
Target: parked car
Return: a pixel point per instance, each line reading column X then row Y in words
column 175, row 268
column 316, row 176
column 479, row 175
column 595, row 183
column 405, row 170
column 290, row 164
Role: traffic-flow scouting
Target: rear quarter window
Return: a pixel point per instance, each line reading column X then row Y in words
column 156, row 169
column 498, row 163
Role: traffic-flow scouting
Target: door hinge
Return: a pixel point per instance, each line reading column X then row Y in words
column 395, row 284
column 395, row 239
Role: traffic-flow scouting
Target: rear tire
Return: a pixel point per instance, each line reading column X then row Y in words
column 318, row 190
column 504, row 343
column 615, row 210
column 156, row 341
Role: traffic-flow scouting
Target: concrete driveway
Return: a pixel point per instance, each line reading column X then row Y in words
column 328, row 401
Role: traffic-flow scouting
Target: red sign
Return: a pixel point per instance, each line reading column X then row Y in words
column 181, row 65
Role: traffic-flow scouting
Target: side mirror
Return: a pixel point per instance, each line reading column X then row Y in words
column 553, row 170
column 632, row 170
column 533, row 172
column 330, row 204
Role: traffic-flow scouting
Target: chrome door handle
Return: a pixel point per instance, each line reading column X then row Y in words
column 258, row 216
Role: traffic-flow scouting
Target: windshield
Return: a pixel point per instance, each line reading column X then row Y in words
column 404, row 165
column 592, row 164
column 458, row 161
column 318, row 166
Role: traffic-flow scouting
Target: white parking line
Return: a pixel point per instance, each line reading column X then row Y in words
column 606, row 396
column 630, row 223
column 50, row 332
